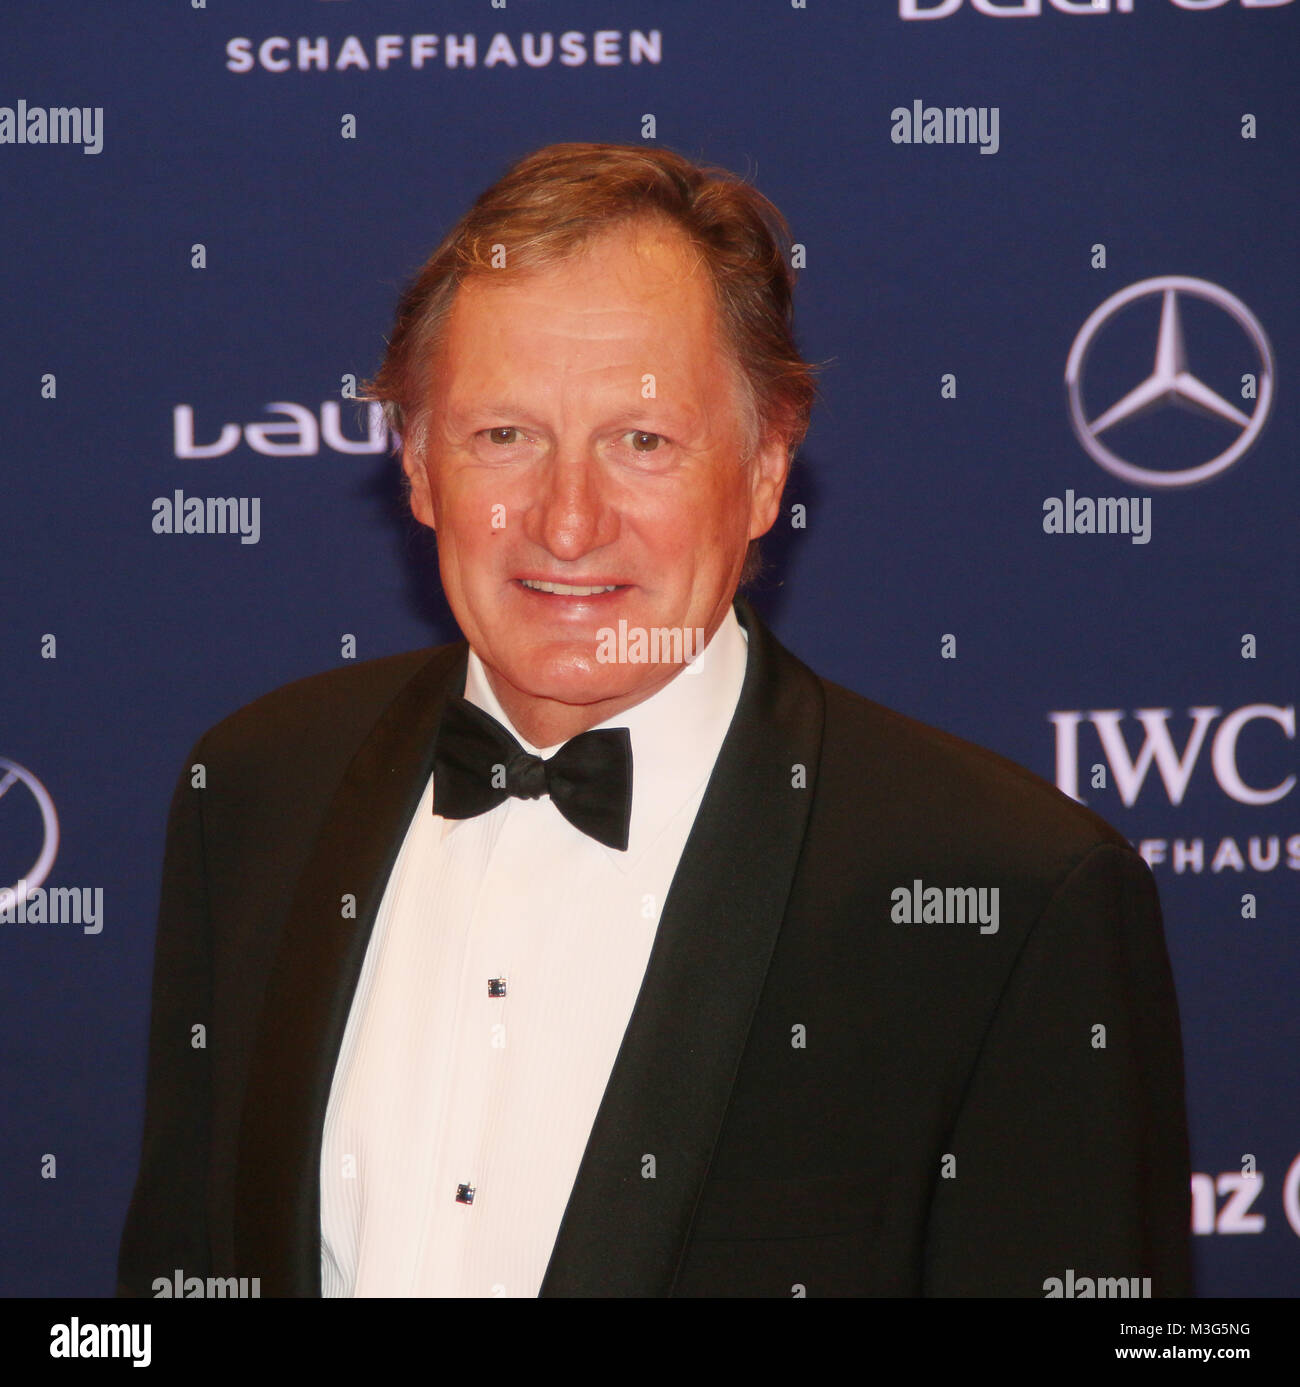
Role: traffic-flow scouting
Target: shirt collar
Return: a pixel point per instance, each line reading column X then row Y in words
column 676, row 733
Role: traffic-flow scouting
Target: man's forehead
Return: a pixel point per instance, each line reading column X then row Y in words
column 616, row 277
column 593, row 319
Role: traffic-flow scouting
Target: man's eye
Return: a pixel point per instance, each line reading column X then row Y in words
column 641, row 440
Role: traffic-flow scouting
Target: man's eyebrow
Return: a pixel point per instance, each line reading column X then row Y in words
column 673, row 415
column 501, row 406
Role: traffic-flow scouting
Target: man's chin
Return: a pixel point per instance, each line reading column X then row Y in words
column 586, row 684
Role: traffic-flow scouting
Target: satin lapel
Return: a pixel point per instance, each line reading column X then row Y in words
column 310, row 990
column 623, row 1234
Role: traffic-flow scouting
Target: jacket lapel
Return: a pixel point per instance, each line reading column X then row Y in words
column 624, row 1234
column 310, row 989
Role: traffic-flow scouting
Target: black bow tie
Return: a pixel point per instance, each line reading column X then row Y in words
column 477, row 764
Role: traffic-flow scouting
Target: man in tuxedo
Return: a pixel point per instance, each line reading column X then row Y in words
column 612, row 951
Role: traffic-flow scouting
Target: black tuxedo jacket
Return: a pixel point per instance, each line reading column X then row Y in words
column 837, row 1103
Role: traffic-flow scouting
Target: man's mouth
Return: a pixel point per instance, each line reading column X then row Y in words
column 570, row 589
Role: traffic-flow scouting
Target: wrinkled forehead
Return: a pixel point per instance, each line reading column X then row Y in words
column 644, row 270
column 634, row 308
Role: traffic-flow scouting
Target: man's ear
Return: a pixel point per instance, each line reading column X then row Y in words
column 417, row 477
column 770, row 467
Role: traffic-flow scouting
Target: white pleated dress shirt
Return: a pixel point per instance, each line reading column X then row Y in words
column 440, row 1085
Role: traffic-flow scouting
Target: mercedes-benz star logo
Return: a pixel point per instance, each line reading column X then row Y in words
column 1170, row 382
column 11, row 774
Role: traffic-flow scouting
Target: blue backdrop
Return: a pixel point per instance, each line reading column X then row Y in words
column 212, row 247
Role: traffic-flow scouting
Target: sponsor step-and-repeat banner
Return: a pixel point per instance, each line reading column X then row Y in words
column 1048, row 502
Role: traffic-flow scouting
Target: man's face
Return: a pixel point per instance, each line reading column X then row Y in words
column 585, row 430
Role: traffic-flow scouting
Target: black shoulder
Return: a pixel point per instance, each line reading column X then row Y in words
column 338, row 705
column 935, row 774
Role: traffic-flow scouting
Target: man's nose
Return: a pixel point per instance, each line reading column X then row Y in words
column 572, row 515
